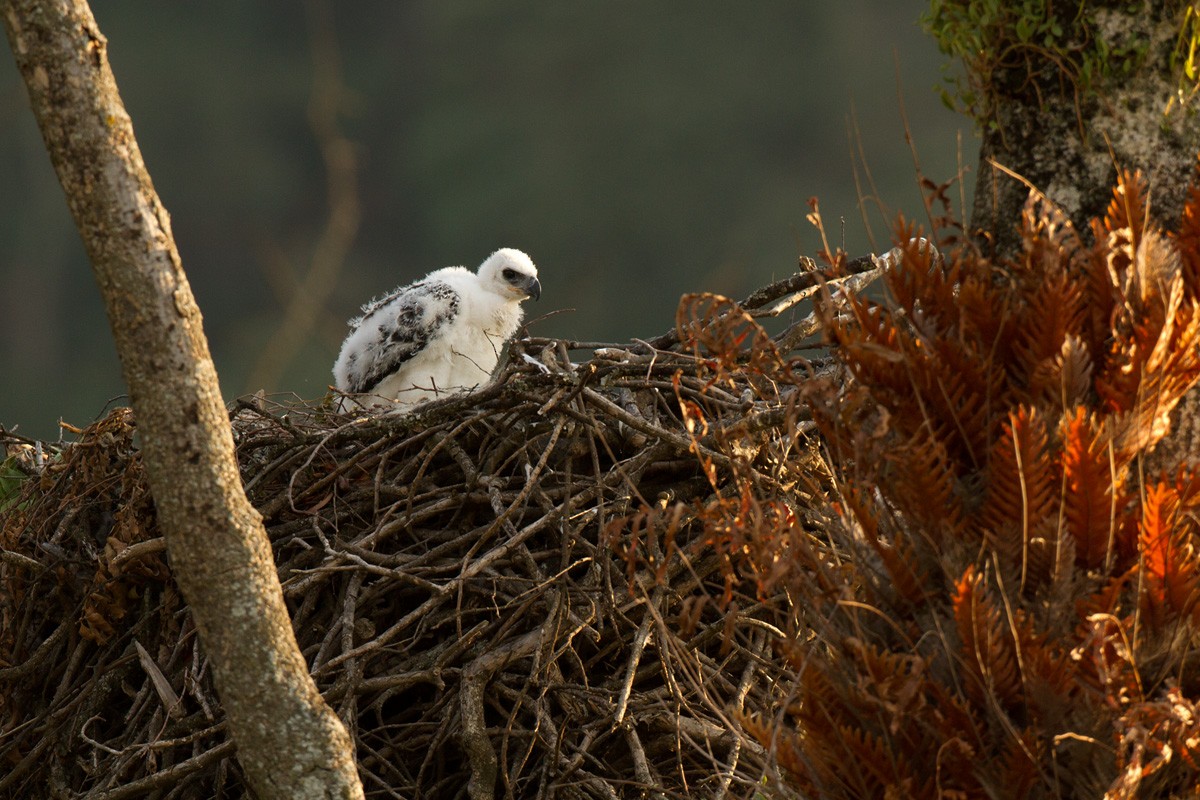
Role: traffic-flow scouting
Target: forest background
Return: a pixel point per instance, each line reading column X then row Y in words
column 636, row 151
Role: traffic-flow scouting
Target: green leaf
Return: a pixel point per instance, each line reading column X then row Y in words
column 11, row 478
column 947, row 99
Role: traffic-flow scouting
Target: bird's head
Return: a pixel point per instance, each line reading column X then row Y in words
column 510, row 274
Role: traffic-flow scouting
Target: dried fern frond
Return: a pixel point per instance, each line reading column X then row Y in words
column 1166, row 539
column 1053, row 318
column 1022, row 489
column 1119, row 231
column 1050, row 246
column 1093, row 503
column 988, row 651
column 896, row 553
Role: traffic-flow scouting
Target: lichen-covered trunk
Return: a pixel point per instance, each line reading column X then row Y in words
column 290, row 743
column 1067, row 133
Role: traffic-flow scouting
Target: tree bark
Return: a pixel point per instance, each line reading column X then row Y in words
column 1067, row 135
column 291, row 745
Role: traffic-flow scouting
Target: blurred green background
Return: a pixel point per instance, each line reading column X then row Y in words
column 635, row 150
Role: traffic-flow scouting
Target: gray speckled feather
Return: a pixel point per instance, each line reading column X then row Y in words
column 404, row 323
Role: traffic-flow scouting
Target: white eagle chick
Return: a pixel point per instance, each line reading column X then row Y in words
column 440, row 335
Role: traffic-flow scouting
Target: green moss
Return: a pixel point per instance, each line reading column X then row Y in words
column 1007, row 48
column 11, row 478
column 1183, row 59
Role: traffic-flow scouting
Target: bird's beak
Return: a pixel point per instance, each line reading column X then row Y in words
column 533, row 288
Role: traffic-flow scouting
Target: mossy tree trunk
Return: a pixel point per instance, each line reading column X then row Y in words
column 1065, row 94
column 289, row 741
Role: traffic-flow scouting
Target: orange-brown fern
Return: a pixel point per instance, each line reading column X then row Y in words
column 988, row 452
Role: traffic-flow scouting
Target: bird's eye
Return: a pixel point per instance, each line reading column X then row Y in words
column 509, row 274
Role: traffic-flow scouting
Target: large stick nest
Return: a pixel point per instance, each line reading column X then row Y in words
column 509, row 593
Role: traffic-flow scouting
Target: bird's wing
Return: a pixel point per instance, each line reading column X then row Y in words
column 397, row 327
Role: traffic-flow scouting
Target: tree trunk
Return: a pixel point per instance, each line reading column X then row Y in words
column 290, row 743
column 1065, row 112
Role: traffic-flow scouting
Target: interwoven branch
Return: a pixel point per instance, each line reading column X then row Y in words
column 463, row 584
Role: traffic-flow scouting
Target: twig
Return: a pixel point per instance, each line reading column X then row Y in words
column 639, row 644
column 162, row 686
column 167, row 777
column 137, row 550
column 481, row 785
column 19, row 560
column 39, row 657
